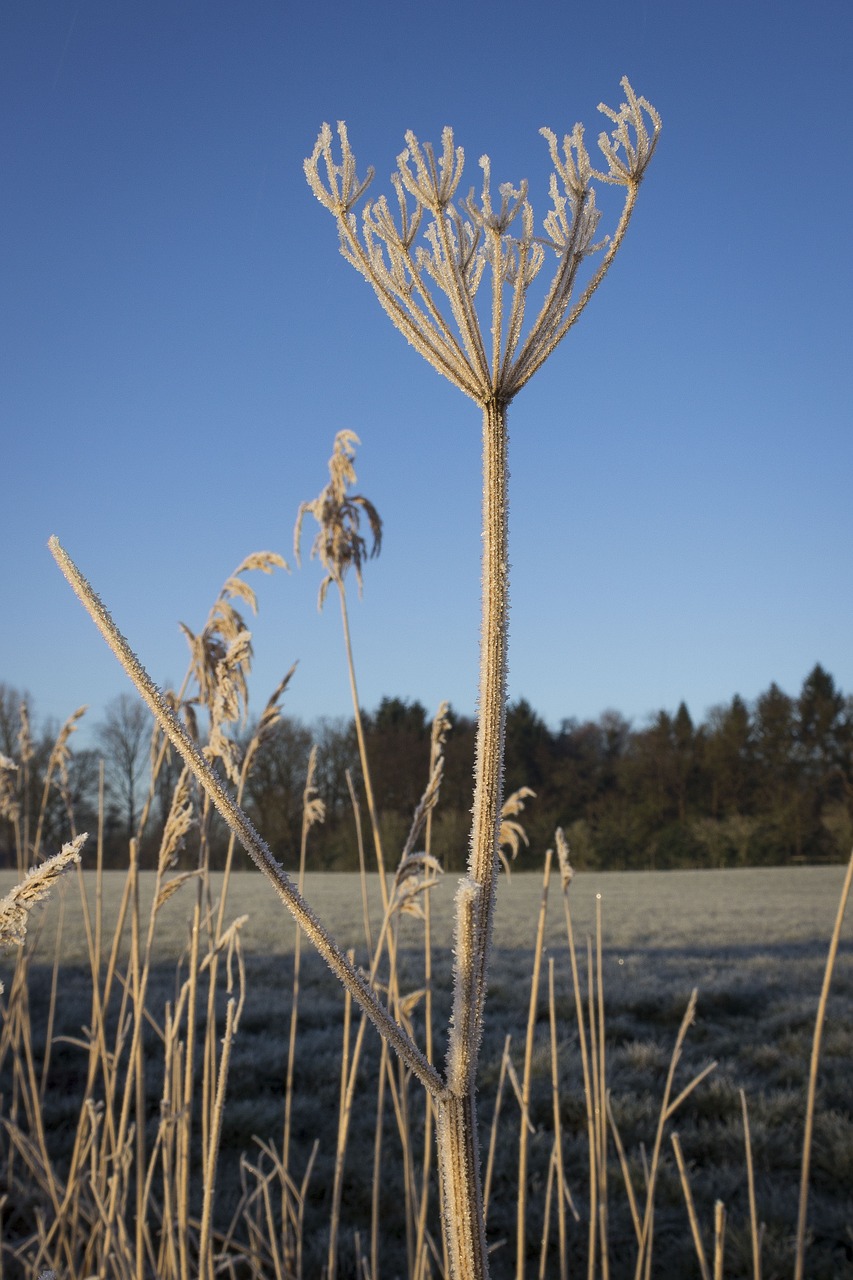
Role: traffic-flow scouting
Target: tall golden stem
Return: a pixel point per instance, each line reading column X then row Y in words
column 488, row 792
column 458, row 1149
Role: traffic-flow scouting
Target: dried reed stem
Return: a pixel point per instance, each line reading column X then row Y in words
column 521, row 1206
column 602, row 1095
column 755, row 1235
column 344, row 1111
column 558, row 1131
column 667, row 1109
column 813, row 1068
column 310, row 814
column 719, row 1238
column 691, row 1209
column 546, row 1217
column 206, row 1267
column 493, row 1132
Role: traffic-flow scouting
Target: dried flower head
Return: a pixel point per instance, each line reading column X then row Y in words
column 415, row 876
column 17, row 905
column 221, row 657
column 426, row 260
column 313, row 806
column 339, row 543
column 178, row 823
column 59, row 760
column 418, row 872
column 441, row 726
column 566, row 869
column 512, row 834
column 225, row 625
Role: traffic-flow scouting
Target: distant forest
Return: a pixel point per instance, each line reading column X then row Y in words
column 767, row 782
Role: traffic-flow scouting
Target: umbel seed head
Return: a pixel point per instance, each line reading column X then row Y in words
column 426, row 259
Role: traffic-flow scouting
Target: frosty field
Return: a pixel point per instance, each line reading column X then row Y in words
column 754, row 943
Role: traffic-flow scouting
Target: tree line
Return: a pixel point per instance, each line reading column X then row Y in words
column 765, row 782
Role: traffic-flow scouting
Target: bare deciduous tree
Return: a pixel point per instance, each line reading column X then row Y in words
column 123, row 737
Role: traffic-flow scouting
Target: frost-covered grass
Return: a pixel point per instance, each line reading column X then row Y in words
column 753, row 942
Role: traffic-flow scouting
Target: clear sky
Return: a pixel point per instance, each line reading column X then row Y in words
column 181, row 340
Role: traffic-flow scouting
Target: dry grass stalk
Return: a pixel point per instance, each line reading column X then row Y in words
column 546, row 1221
column 597, row 1106
column 626, row 1172
column 512, row 835
column 691, row 1209
column 562, row 1190
column 521, row 1217
column 719, row 1238
column 802, row 1213
column 438, row 736
column 340, row 546
column 601, row 1092
column 668, row 1108
column 344, row 1113
column 493, row 1131
column 205, row 1252
column 566, row 877
column 313, row 811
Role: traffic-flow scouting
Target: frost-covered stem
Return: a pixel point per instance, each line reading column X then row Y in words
column 458, row 1154
column 800, row 1247
column 362, row 750
column 352, row 979
column 488, row 790
column 461, row 1188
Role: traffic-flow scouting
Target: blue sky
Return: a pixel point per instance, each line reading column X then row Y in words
column 181, row 341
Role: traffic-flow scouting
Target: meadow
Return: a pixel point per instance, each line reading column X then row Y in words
column 752, row 941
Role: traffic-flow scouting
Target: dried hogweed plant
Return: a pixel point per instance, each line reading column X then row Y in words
column 426, row 261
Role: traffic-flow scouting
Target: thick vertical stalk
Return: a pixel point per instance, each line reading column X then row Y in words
column 461, row 1189
column 488, row 787
column 458, row 1151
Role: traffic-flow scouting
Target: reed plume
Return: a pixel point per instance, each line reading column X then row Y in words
column 339, row 545
column 15, row 908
